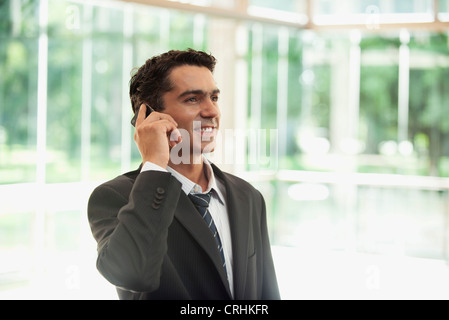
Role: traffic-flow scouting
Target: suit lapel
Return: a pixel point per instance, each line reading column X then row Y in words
column 238, row 208
column 188, row 216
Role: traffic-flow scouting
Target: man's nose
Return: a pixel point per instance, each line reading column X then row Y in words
column 209, row 109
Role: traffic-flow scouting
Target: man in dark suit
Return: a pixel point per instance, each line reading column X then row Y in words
column 153, row 242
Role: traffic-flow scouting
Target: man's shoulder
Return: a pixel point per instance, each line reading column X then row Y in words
column 234, row 181
column 231, row 178
column 127, row 178
column 121, row 184
column 124, row 183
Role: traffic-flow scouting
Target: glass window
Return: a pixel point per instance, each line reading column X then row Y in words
column 91, row 52
column 428, row 125
column 378, row 102
column 286, row 5
column 18, row 91
column 16, row 246
column 359, row 121
column 363, row 12
column 443, row 6
column 105, row 53
column 303, row 211
column 195, row 2
column 289, row 10
column 361, row 6
column 64, row 99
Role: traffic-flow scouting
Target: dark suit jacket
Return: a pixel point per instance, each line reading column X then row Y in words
column 153, row 244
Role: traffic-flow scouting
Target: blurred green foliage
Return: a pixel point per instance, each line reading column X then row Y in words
column 81, row 35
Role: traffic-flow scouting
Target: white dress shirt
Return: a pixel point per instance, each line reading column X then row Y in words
column 217, row 207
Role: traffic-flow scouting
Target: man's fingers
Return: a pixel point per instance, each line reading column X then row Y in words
column 153, row 117
column 141, row 114
column 175, row 137
column 157, row 127
column 157, row 116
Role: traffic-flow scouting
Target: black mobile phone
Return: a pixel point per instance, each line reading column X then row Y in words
column 148, row 112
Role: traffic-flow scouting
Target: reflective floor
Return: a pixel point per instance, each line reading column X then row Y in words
column 344, row 275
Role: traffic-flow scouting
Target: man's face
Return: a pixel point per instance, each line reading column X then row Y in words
column 193, row 104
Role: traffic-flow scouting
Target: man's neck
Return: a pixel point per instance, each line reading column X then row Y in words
column 193, row 171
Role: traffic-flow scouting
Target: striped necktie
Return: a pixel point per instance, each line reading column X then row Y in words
column 201, row 202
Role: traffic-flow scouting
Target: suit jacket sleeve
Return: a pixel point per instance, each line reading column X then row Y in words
column 130, row 220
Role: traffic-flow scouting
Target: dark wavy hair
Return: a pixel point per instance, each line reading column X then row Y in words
column 152, row 79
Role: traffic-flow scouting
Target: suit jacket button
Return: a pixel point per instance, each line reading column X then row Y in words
column 156, row 206
column 160, row 190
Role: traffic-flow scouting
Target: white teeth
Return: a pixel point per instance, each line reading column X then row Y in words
column 207, row 129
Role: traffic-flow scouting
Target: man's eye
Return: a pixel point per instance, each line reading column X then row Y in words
column 192, row 99
column 214, row 98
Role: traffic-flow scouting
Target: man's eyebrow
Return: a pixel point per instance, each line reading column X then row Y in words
column 201, row 92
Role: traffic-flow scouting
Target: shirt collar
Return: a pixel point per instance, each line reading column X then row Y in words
column 189, row 186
